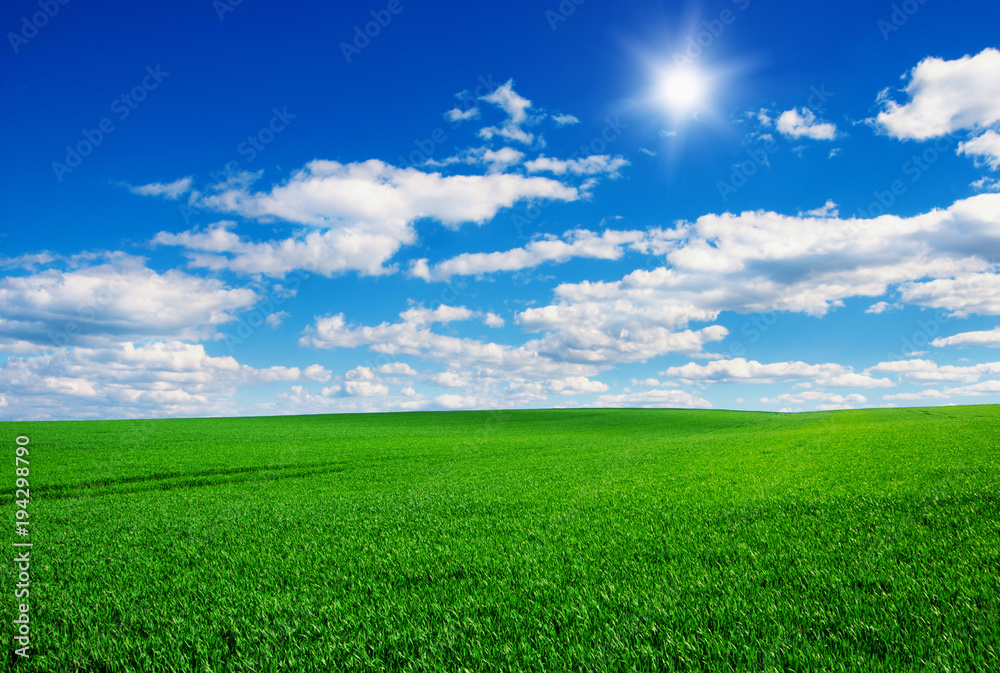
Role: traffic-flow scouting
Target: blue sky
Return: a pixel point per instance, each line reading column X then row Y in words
column 221, row 208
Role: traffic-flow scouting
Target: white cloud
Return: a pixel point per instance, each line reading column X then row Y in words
column 413, row 336
column 945, row 96
column 570, row 385
column 804, row 124
column 741, row 370
column 495, row 160
column 825, row 400
column 653, row 399
column 366, row 388
column 989, row 338
column 114, row 301
column 458, row 115
column 493, row 320
column 274, row 320
column 759, row 261
column 383, row 199
column 927, row 371
column 986, row 146
column 881, row 307
column 451, row 401
column 298, row 399
column 983, row 388
column 502, row 158
column 610, row 244
column 986, row 184
column 828, row 209
column 396, row 369
column 964, row 295
column 451, row 379
column 564, row 119
column 516, row 107
column 365, row 212
column 327, row 253
column 157, row 378
column 168, row 190
column 597, row 164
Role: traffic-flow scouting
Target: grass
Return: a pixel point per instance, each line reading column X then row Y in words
column 604, row 540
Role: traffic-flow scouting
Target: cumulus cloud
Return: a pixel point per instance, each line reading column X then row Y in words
column 820, row 399
column 495, row 160
column 653, row 399
column 945, row 96
column 516, row 107
column 168, row 190
column 459, row 115
column 116, row 300
column 983, row 388
column 412, row 335
column 989, row 338
column 597, row 164
column 157, row 378
column 328, row 253
column 300, row 399
column 927, row 371
column 804, row 124
column 493, row 375
column 881, row 307
column 363, row 214
column 396, row 369
column 828, row 375
column 576, row 243
column 759, row 261
column 386, row 199
column 564, row 119
column 985, row 147
column 963, row 295
column 986, row 184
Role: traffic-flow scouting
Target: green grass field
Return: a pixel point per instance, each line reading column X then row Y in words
column 599, row 540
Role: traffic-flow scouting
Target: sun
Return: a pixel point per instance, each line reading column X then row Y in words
column 682, row 89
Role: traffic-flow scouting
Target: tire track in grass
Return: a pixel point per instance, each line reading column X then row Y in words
column 170, row 480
